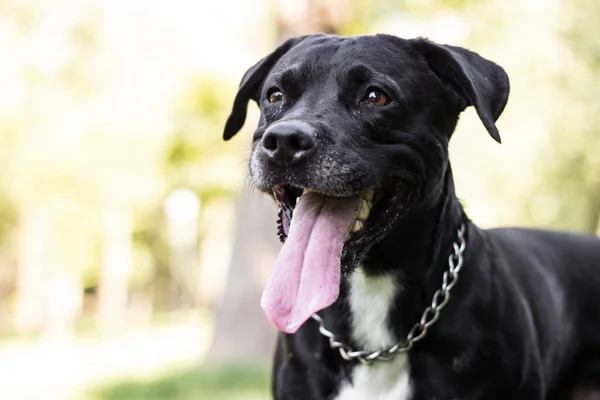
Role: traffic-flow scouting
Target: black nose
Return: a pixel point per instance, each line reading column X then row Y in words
column 288, row 142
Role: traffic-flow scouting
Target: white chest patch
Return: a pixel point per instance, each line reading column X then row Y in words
column 370, row 301
column 379, row 381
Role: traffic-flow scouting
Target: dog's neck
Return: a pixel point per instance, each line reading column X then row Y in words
column 423, row 236
column 397, row 279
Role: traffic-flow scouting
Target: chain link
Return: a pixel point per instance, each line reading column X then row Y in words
column 431, row 314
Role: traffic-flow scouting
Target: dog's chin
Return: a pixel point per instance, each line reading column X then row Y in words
column 382, row 205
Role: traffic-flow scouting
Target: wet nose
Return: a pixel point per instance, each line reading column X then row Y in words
column 288, row 142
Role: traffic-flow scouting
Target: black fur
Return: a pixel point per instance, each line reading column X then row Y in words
column 523, row 322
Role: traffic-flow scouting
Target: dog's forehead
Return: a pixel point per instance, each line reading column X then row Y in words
column 334, row 54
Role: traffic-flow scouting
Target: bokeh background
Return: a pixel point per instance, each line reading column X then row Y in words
column 133, row 251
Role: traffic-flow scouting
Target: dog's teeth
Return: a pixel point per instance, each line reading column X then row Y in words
column 276, row 199
column 357, row 226
column 364, row 211
column 368, row 195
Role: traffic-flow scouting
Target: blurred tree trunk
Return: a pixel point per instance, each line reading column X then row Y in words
column 48, row 297
column 32, row 271
column 243, row 332
column 116, row 267
column 63, row 304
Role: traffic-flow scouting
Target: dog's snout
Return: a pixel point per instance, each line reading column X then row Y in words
column 288, row 142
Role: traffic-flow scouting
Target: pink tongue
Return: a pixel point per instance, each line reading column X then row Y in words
column 307, row 272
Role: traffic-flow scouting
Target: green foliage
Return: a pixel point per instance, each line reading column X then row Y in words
column 196, row 152
column 199, row 121
column 234, row 382
column 570, row 162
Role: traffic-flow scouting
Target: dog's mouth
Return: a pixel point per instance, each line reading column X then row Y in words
column 287, row 196
column 318, row 230
column 380, row 207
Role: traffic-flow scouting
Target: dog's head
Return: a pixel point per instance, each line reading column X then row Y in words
column 354, row 131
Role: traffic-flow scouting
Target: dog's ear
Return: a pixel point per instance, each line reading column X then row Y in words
column 250, row 87
column 479, row 82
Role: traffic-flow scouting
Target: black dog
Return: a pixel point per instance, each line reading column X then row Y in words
column 353, row 145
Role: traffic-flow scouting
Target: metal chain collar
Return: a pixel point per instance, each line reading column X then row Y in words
column 431, row 314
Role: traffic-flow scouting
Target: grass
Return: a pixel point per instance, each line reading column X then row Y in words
column 233, row 382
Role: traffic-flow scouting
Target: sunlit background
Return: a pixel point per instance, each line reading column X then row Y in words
column 133, row 251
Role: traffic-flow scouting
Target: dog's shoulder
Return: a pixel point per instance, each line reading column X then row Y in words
column 551, row 241
column 553, row 265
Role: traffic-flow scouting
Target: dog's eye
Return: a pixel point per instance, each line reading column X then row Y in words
column 275, row 96
column 376, row 97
